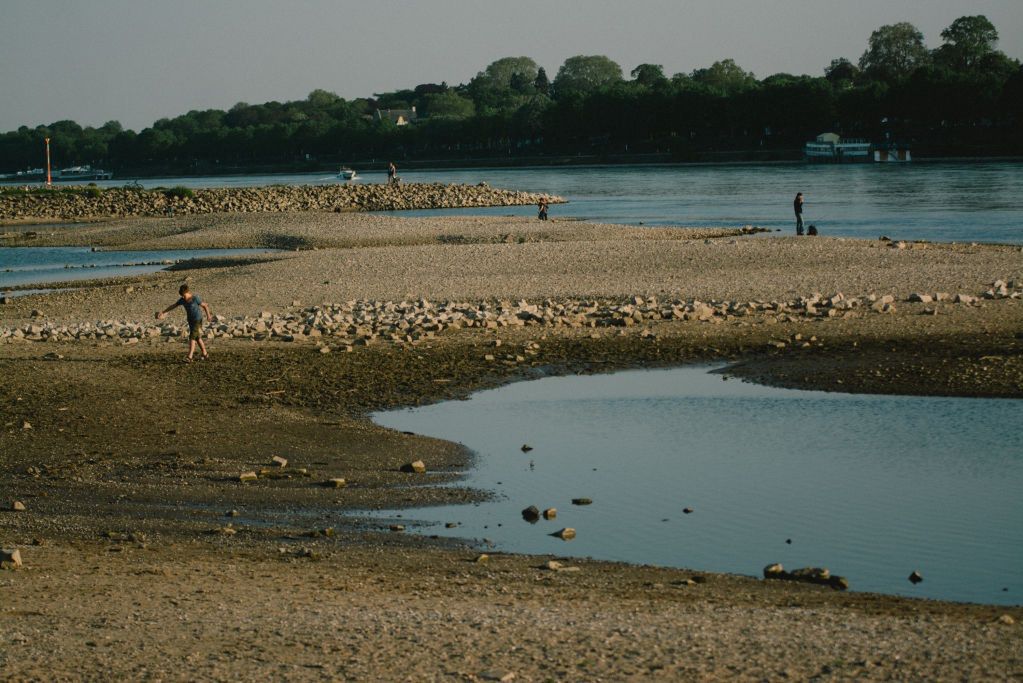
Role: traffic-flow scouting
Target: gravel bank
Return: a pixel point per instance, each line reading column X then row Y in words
column 84, row 203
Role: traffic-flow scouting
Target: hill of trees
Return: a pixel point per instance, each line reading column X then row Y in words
column 962, row 98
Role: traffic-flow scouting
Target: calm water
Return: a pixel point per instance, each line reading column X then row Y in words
column 32, row 265
column 941, row 201
column 872, row 487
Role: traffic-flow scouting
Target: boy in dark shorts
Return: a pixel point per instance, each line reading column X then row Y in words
column 194, row 308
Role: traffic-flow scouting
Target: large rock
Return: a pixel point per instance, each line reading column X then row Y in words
column 10, row 559
column 415, row 467
column 531, row 514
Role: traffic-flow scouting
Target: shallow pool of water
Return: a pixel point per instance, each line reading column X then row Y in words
column 21, row 266
column 872, row 487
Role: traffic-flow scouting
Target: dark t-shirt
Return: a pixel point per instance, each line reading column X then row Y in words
column 192, row 309
column 797, row 205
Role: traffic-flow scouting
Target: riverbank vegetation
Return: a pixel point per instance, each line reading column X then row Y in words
column 962, row 98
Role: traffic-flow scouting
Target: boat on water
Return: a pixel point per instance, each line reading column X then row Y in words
column 71, row 173
column 82, row 173
column 833, row 148
column 347, row 173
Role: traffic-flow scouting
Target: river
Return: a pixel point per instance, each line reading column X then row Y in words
column 960, row 201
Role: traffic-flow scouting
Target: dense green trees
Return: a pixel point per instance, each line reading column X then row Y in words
column 963, row 97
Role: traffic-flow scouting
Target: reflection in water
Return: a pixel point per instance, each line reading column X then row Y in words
column 872, row 487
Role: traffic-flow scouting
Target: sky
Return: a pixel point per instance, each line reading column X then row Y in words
column 136, row 61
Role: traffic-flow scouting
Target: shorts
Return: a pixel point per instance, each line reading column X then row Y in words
column 195, row 331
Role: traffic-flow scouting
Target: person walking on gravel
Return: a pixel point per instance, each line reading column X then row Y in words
column 194, row 308
column 797, row 206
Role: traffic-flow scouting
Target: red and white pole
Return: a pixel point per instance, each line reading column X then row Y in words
column 49, row 178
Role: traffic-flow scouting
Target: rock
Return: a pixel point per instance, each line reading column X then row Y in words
column 324, row 349
column 687, row 511
column 482, row 558
column 232, row 513
column 566, row 534
column 336, row 483
column 499, row 676
column 18, row 506
column 774, row 571
column 248, row 476
column 10, row 559
column 1006, row 619
column 582, row 501
column 415, row 467
column 526, row 448
column 450, row 525
column 397, row 527
column 25, row 424
column 279, row 461
column 555, row 566
column 531, row 514
column 550, row 513
column 915, row 577
column 811, row 574
column 839, row 583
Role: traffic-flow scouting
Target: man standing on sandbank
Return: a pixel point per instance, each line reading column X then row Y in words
column 797, row 205
column 194, row 308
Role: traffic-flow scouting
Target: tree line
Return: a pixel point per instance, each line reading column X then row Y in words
column 963, row 97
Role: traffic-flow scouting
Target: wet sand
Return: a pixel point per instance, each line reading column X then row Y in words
column 133, row 569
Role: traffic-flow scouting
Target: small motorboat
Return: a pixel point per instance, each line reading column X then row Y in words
column 347, row 173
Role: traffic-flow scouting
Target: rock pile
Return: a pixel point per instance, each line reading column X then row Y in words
column 362, row 322
column 275, row 198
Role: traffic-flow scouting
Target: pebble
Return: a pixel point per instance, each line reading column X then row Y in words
column 18, row 506
column 415, row 467
column 566, row 534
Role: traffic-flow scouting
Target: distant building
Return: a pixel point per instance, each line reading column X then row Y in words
column 400, row 117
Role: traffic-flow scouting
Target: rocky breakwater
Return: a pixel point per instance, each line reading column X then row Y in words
column 345, row 325
column 94, row 202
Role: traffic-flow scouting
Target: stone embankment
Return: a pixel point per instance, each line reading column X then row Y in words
column 362, row 322
column 122, row 202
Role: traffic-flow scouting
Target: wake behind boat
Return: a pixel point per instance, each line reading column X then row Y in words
column 347, row 173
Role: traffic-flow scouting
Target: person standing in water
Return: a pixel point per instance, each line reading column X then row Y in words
column 797, row 206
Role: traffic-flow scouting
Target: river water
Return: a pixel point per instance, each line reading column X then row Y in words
column 872, row 487
column 962, row 202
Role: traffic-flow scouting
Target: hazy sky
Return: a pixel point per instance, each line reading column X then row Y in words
column 140, row 60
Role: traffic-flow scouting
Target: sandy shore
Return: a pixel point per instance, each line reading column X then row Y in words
column 130, row 461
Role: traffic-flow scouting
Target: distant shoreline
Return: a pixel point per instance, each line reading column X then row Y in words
column 522, row 163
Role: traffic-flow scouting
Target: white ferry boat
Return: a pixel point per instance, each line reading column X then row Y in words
column 82, row 173
column 832, row 148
